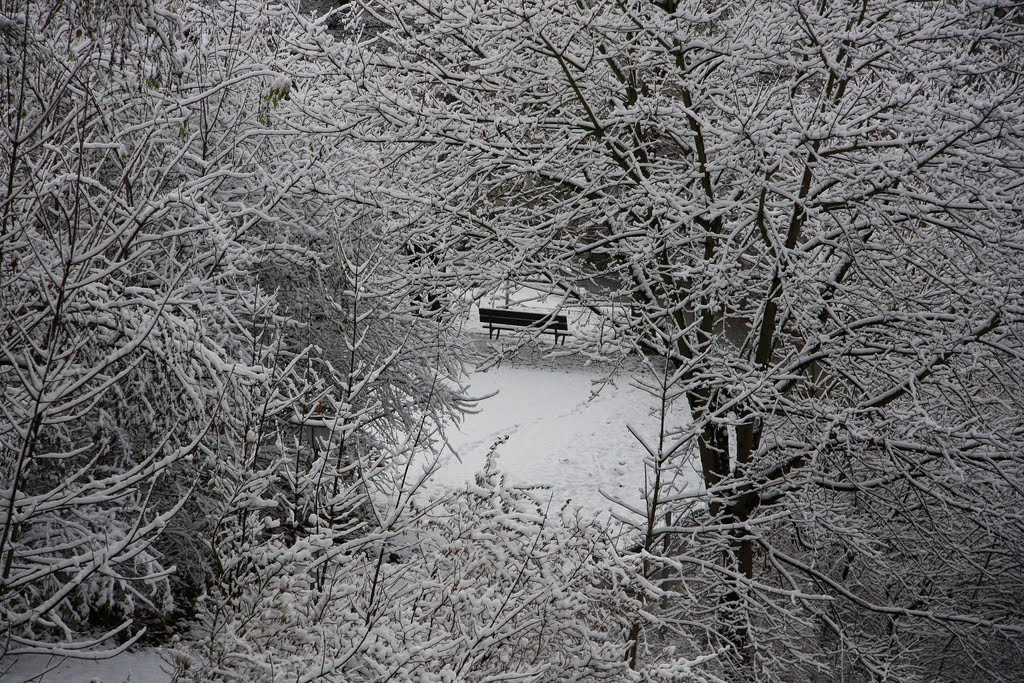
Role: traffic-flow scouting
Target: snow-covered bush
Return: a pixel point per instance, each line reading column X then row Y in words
column 112, row 367
column 487, row 584
column 191, row 296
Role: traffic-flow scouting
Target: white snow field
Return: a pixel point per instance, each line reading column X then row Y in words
column 564, row 426
column 145, row 666
column 566, row 421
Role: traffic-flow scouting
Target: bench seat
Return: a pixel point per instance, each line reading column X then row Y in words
column 498, row 319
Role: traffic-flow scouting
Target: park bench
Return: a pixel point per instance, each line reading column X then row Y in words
column 498, row 319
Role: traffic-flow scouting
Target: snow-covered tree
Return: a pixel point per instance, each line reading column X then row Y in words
column 812, row 212
column 188, row 302
column 111, row 371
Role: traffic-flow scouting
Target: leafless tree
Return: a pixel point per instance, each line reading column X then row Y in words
column 813, row 210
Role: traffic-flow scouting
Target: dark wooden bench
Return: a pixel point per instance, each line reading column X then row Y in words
column 498, row 319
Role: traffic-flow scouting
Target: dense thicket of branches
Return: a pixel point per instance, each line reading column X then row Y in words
column 185, row 298
column 236, row 249
column 813, row 212
column 226, row 351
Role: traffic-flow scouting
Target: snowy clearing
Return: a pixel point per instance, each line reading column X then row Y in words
column 145, row 666
column 566, row 425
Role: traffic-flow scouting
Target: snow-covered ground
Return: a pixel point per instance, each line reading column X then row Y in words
column 145, row 666
column 563, row 423
column 567, row 428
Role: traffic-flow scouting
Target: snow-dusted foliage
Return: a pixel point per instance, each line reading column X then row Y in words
column 119, row 327
column 191, row 315
column 233, row 255
column 812, row 212
column 489, row 584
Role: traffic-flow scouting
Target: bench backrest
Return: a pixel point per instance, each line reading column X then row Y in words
column 504, row 316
